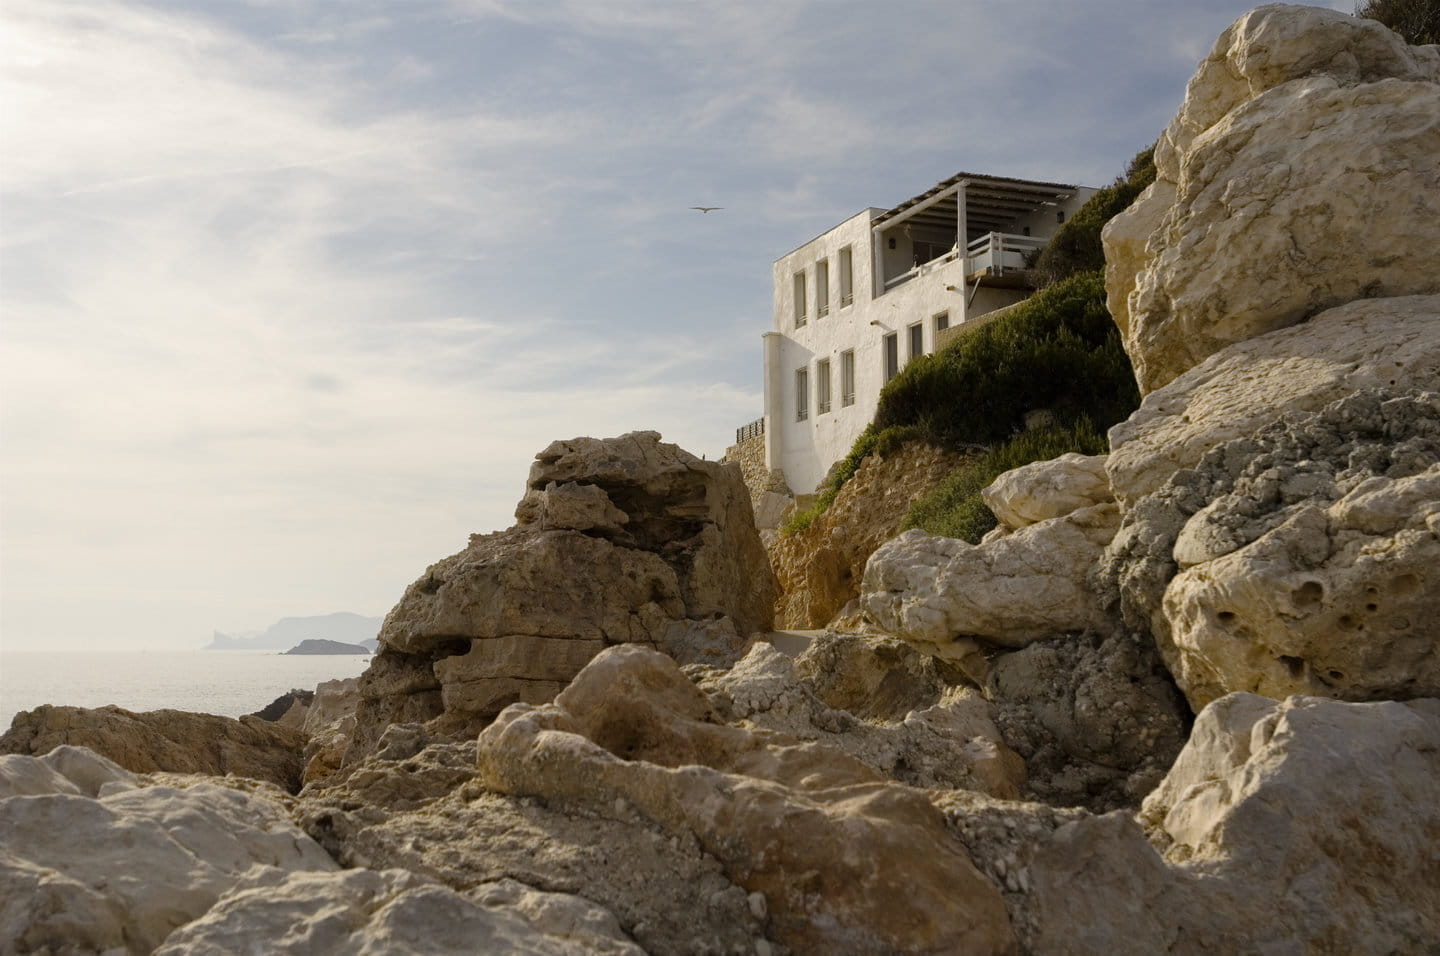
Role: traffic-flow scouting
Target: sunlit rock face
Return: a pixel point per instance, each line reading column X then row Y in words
column 1299, row 175
column 617, row 541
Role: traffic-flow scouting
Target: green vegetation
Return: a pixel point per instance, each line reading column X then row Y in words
column 1076, row 247
column 870, row 442
column 955, row 509
column 1418, row 21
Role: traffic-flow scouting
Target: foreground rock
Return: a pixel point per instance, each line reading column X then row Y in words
column 1299, row 175
column 165, row 740
column 632, row 735
column 1302, row 560
column 617, row 541
column 94, row 858
column 819, row 568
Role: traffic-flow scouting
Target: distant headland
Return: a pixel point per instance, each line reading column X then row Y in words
column 286, row 633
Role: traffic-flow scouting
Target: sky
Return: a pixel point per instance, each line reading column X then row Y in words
column 292, row 291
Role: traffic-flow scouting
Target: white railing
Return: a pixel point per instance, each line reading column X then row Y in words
column 998, row 251
column 922, row 269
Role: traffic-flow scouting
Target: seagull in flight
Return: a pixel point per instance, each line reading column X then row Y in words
column 707, row 208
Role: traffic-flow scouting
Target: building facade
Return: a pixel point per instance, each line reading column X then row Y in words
column 854, row 305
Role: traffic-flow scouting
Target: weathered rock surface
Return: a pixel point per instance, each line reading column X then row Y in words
column 819, row 568
column 1373, row 343
column 365, row 911
column 1302, row 560
column 632, row 735
column 1098, row 721
column 1302, row 826
column 939, row 593
column 165, row 740
column 948, row 742
column 102, row 861
column 1299, row 175
column 616, row 541
column 1048, row 489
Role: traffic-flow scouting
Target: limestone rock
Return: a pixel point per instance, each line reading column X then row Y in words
column 1299, row 175
column 948, row 742
column 617, row 541
column 820, row 567
column 1048, row 489
column 1097, row 720
column 165, row 740
column 105, row 862
column 394, row 911
column 1025, row 586
column 1373, row 343
column 631, row 734
column 1301, row 560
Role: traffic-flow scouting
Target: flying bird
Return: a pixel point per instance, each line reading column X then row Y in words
column 707, row 208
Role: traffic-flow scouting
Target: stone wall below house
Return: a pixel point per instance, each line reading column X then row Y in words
column 770, row 496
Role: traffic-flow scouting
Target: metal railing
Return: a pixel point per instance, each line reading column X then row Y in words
column 753, row 430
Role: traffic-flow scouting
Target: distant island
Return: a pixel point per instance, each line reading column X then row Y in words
column 327, row 647
column 287, row 632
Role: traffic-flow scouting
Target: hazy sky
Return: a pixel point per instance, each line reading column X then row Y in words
column 293, row 290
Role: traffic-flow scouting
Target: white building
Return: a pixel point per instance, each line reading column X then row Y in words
column 855, row 304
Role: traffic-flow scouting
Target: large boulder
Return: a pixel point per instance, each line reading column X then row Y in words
column 1301, row 560
column 616, row 541
column 1299, row 175
column 819, row 567
column 1372, row 343
column 165, row 740
column 102, row 860
column 632, row 735
column 942, row 593
column 1048, row 489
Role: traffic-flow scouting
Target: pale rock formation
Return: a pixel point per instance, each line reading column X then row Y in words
column 939, row 593
column 1299, row 175
column 1048, row 489
column 1307, row 825
column 632, row 735
column 819, row 568
column 106, row 862
column 364, row 911
column 329, row 722
column 1302, row 560
column 1372, row 343
column 165, row 740
column 1097, row 720
column 623, row 540
column 951, row 742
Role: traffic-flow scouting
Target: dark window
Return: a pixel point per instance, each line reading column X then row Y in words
column 892, row 355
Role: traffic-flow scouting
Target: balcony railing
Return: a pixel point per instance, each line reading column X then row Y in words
column 994, row 251
column 753, row 430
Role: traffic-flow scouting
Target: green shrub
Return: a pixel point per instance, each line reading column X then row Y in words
column 1076, row 247
column 1418, row 21
column 1058, row 350
column 955, row 509
column 881, row 442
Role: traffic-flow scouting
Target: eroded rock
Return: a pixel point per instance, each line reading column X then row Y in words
column 1048, row 489
column 1301, row 125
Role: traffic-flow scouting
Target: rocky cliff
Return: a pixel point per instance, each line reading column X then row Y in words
column 1184, row 699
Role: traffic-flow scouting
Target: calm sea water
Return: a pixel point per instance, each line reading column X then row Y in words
column 229, row 683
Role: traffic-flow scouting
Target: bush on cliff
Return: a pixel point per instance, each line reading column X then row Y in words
column 1418, row 21
column 956, row 510
column 1076, row 246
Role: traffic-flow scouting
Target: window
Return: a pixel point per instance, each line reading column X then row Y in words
column 847, row 377
column 822, row 288
column 822, row 386
column 1060, row 215
column 802, row 394
column 892, row 355
column 942, row 322
column 799, row 299
column 917, row 340
column 847, row 278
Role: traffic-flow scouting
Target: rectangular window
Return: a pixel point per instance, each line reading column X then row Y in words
column 917, row 340
column 847, row 278
column 802, row 394
column 942, row 321
column 822, row 386
column 799, row 299
column 822, row 288
column 847, row 377
column 892, row 355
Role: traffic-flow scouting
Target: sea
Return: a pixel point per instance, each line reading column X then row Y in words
column 229, row 683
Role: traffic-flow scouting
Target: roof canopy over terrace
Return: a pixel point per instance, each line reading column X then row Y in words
column 991, row 203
